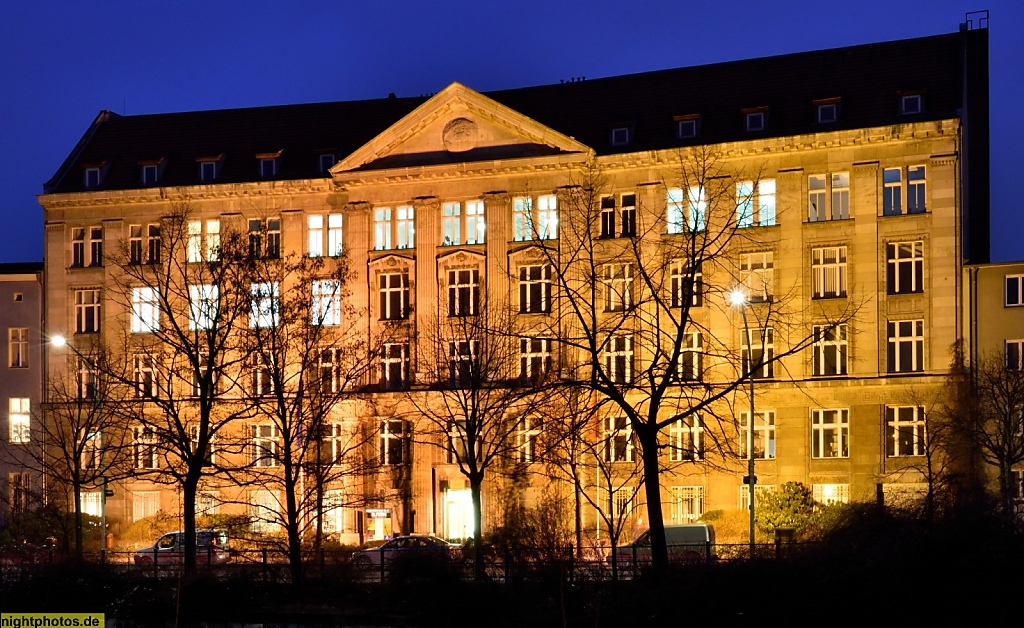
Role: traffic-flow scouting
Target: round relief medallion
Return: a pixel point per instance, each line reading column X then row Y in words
column 460, row 135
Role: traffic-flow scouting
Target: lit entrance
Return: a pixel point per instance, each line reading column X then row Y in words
column 378, row 524
column 459, row 514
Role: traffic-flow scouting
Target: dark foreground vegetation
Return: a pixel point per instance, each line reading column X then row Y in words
column 874, row 568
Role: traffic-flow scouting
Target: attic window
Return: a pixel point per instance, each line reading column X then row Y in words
column 150, row 174
column 826, row 111
column 755, row 119
column 687, row 126
column 209, row 168
column 327, row 160
column 93, row 176
column 268, row 164
column 911, row 104
column 620, row 136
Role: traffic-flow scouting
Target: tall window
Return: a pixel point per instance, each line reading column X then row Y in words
column 145, row 310
column 905, row 431
column 828, row 272
column 327, row 302
column 78, row 247
column 764, row 434
column 893, row 190
column 451, row 224
column 755, row 209
column 329, row 364
column 393, row 442
column 686, row 284
column 405, row 227
column 265, row 445
column 394, row 367
column 691, row 357
column 92, row 450
column 265, row 238
column 829, row 350
column 261, row 375
column 476, row 225
column 19, row 418
column 462, row 228
column 608, row 217
column 527, row 432
column 905, row 261
column 686, row 439
column 19, row 485
column 830, row 433
column 153, row 244
column 1014, row 290
column 617, row 436
column 535, row 222
column 204, row 303
column 694, row 218
column 331, row 443
column 394, row 296
column 321, row 240
column 757, row 273
column 145, row 504
column 621, row 220
column 265, row 307
column 828, row 197
column 87, row 378
column 906, row 346
column 144, row 447
column 87, row 311
column 758, row 346
column 1014, row 353
column 193, row 437
column 264, row 511
column 463, row 292
column 461, row 354
column 618, row 282
column 687, row 504
column 535, row 289
column 17, row 347
column 95, row 246
column 618, row 359
column 382, row 229
column 534, row 358
column 204, row 239
column 144, row 375
column 135, row 244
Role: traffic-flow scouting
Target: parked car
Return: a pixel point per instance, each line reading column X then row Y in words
column 689, row 542
column 413, row 546
column 169, row 549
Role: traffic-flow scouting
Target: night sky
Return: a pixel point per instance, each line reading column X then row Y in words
column 62, row 61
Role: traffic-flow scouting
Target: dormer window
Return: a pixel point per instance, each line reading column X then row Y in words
column 150, row 174
column 826, row 111
column 911, row 104
column 687, row 126
column 327, row 160
column 93, row 177
column 620, row 136
column 209, row 168
column 269, row 164
column 755, row 119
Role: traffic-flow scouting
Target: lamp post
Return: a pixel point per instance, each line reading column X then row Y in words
column 738, row 298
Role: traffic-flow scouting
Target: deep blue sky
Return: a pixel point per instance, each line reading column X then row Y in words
column 62, row 61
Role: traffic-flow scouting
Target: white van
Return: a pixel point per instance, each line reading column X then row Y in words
column 689, row 542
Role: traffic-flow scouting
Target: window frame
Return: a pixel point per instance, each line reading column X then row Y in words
column 757, row 275
column 821, row 443
column 393, row 443
column 394, row 366
column 764, row 433
column 895, row 267
column 829, row 270
column 905, row 438
column 145, row 310
column 756, row 208
column 617, row 281
column 1018, row 281
column 535, row 358
column 264, row 445
column 264, row 305
column 617, row 358
column 830, row 341
column 393, row 300
column 463, row 292
column 617, row 439
column 88, row 311
column 896, row 344
column 19, row 420
column 17, row 347
column 145, row 453
column 535, row 291
column 686, row 439
column 1013, row 353
column 766, row 368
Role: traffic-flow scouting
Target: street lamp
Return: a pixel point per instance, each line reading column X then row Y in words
column 738, row 298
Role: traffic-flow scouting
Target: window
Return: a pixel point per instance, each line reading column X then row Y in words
column 453, row 221
column 526, row 439
column 691, row 357
column 622, row 502
column 687, row 127
column 627, row 213
column 818, row 186
column 695, row 217
column 406, row 227
column 1014, row 295
column 617, row 439
column 394, row 367
column 828, row 272
column 541, row 224
column 318, row 243
column 207, row 503
column 265, row 308
column 461, row 367
column 911, row 104
column 144, row 447
column 135, row 244
column 534, row 358
column 756, row 120
column 393, row 443
column 401, row 230
column 144, row 376
column 1014, row 351
column 618, row 359
column 20, row 488
column 92, row 503
column 93, row 176
column 150, row 174
column 915, row 189
column 327, row 302
column 830, row 433
column 394, row 296
column 755, row 209
column 618, row 282
column 203, row 246
column 87, row 311
column 686, row 284
column 265, row 445
column 331, row 442
column 687, row 503
column 761, row 491
column 78, row 247
column 208, row 170
column 87, row 378
column 463, row 292
column 265, row 238
column 829, row 350
column 193, row 437
column 264, row 511
column 457, row 442
column 906, row 346
column 95, row 246
column 905, row 435
column 261, row 375
column 17, row 347
column 757, row 275
column 268, row 167
column 325, row 162
column 827, row 113
column 608, row 217
column 145, row 310
column 620, row 136
column 830, row 493
column 905, row 262
column 92, row 450
column 759, row 347
column 145, row 504
column 764, row 435
column 686, row 442
column 382, row 229
column 535, row 289
column 329, row 366
column 19, row 420
column 892, row 190
column 204, row 306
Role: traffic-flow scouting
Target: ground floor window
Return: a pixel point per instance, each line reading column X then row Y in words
column 687, row 503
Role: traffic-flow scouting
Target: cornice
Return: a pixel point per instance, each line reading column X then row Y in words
column 185, row 193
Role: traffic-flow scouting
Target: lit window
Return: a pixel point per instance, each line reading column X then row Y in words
column 906, row 346
column 264, row 511
column 394, row 366
column 695, row 216
column 828, row 272
column 755, row 209
column 475, row 224
column 818, row 190
column 526, row 439
column 382, row 229
column 686, row 284
column 451, row 224
column 393, row 443
column 265, row 308
column 17, row 347
column 831, row 493
column 764, row 434
column 534, row 358
column 92, row 449
column 905, row 262
column 617, row 439
column 547, row 217
column 1014, row 352
column 463, row 292
column 541, row 224
column 144, row 448
column 203, row 246
column 905, row 431
column 87, row 311
column 618, row 359
column 758, row 348
column 204, row 305
column 406, row 228
column 145, row 310
column 830, row 433
column 145, row 504
column 687, row 504
column 19, row 485
column 327, row 302
column 265, row 238
column 19, row 417
column 618, row 282
column 315, row 233
column 686, row 439
column 1014, row 293
column 265, row 445
column 535, row 289
column 911, row 104
column 394, row 296
column 893, row 192
column 691, row 357
column 757, row 275
column 522, row 218
column 829, row 350
column 761, row 491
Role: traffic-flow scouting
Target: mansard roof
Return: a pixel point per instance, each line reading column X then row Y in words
column 868, row 81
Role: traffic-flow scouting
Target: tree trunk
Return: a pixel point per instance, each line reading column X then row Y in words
column 77, row 490
column 648, row 439
column 292, row 524
column 189, row 490
column 478, row 550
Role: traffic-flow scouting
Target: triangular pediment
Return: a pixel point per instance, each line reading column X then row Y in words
column 458, row 125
